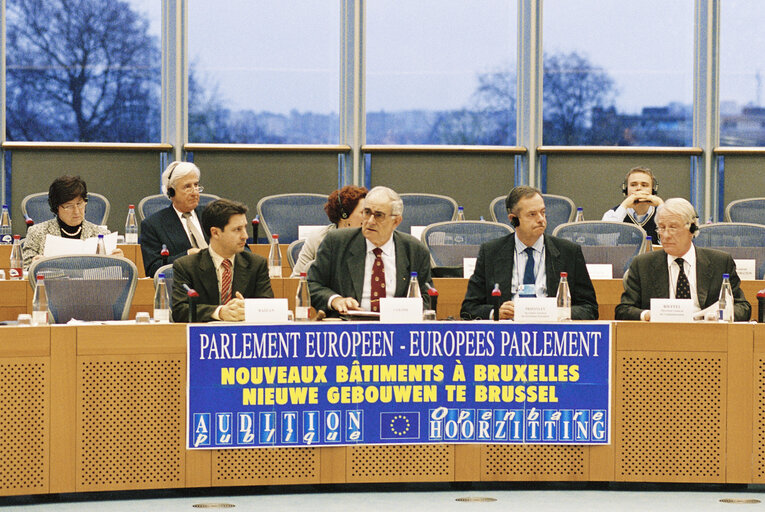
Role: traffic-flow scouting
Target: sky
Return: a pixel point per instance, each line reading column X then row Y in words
column 426, row 54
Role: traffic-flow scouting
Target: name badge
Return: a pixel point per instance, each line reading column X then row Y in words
column 263, row 311
column 400, row 310
column 527, row 290
column 671, row 310
column 536, row 309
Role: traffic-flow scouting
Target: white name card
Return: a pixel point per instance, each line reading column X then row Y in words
column 600, row 270
column 307, row 231
column 468, row 267
column 262, row 311
column 536, row 309
column 671, row 310
column 745, row 269
column 416, row 231
column 400, row 310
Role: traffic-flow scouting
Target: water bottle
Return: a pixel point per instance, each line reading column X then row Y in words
column 274, row 258
column 725, row 304
column 101, row 247
column 40, row 303
column 648, row 244
column 579, row 214
column 563, row 298
column 6, row 229
column 161, row 300
column 460, row 213
column 414, row 287
column 17, row 260
column 302, row 300
column 131, row 227
column 496, row 295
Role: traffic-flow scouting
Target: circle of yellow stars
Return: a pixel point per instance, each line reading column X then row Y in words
column 393, row 425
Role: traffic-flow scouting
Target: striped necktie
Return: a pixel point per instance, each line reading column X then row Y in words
column 225, row 282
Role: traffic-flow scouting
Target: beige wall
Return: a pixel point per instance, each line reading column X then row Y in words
column 744, row 177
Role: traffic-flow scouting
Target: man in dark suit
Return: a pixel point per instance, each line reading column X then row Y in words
column 527, row 263
column 679, row 269
column 177, row 226
column 355, row 267
column 223, row 274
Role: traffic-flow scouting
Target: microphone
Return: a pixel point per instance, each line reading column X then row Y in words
column 433, row 295
column 495, row 295
column 255, row 228
column 165, row 254
column 29, row 221
column 193, row 296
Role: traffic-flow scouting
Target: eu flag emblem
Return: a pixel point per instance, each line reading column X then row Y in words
column 399, row 425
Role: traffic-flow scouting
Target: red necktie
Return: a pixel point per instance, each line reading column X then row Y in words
column 378, row 280
column 225, row 283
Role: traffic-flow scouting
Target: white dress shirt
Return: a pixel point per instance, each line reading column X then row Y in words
column 217, row 260
column 519, row 267
column 389, row 265
column 193, row 219
column 689, row 266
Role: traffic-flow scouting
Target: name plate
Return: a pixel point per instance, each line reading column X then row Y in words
column 536, row 309
column 262, row 311
column 671, row 310
column 307, row 231
column 398, row 310
column 600, row 270
column 468, row 267
column 745, row 269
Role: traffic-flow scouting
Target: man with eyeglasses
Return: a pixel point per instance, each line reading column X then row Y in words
column 177, row 226
column 355, row 267
column 680, row 270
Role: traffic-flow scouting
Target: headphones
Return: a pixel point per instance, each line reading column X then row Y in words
column 343, row 213
column 514, row 221
column 171, row 190
column 694, row 227
column 644, row 170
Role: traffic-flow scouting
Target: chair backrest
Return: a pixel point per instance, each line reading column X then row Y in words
column 284, row 213
column 450, row 242
column 558, row 210
column 168, row 271
column 150, row 205
column 746, row 210
column 614, row 243
column 739, row 239
column 87, row 287
column 425, row 209
column 293, row 251
column 36, row 207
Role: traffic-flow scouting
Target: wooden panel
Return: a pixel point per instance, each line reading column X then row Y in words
column 333, row 464
column 502, row 462
column 63, row 341
column 400, row 463
column 739, row 403
column 143, row 299
column 451, row 293
column 609, row 294
column 672, row 337
column 264, row 249
column 467, row 462
column 26, row 342
column 265, row 466
column 758, row 405
column 132, row 339
column 13, row 297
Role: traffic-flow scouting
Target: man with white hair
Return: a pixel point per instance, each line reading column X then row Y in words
column 177, row 226
column 680, row 270
column 355, row 267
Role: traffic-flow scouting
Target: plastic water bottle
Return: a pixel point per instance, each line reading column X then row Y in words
column 563, row 298
column 6, row 229
column 101, row 247
column 460, row 213
column 496, row 295
column 274, row 258
column 414, row 287
column 161, row 300
column 17, row 260
column 131, row 227
column 579, row 214
column 725, row 304
column 648, row 244
column 302, row 300
column 40, row 302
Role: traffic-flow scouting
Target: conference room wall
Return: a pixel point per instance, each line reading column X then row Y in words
column 472, row 180
column 124, row 177
column 594, row 182
column 744, row 177
column 249, row 176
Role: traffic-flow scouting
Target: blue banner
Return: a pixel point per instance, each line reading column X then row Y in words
column 334, row 384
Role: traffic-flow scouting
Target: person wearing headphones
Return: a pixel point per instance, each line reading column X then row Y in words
column 680, row 270
column 343, row 208
column 527, row 263
column 178, row 226
column 640, row 201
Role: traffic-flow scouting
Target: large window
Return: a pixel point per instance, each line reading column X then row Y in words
column 618, row 73
column 264, row 71
column 441, row 72
column 742, row 73
column 83, row 70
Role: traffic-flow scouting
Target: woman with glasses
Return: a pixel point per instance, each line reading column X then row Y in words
column 68, row 198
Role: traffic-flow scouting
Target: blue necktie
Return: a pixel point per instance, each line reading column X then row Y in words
column 528, row 274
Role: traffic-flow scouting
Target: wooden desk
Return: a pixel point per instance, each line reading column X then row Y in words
column 131, row 252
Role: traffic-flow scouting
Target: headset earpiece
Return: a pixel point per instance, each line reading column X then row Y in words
column 514, row 221
column 654, row 186
column 170, row 190
column 343, row 213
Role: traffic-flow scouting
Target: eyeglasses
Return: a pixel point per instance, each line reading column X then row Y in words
column 80, row 205
column 379, row 216
column 190, row 187
column 670, row 229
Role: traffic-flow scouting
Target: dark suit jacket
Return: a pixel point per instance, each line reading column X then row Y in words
column 164, row 227
column 197, row 270
column 495, row 265
column 648, row 278
column 339, row 267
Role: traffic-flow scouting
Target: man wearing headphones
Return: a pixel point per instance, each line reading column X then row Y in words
column 177, row 226
column 680, row 270
column 640, row 201
column 527, row 263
